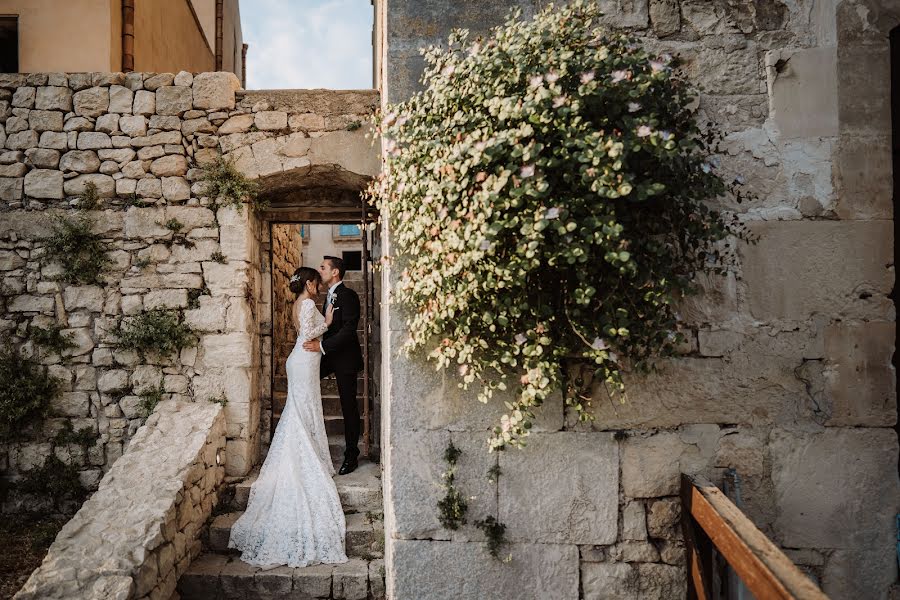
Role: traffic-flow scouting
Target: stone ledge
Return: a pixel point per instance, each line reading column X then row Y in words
column 148, row 509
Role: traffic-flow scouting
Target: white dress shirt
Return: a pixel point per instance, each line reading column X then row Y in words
column 327, row 302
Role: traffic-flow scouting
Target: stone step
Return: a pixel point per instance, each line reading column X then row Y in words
column 220, row 577
column 360, row 491
column 364, row 539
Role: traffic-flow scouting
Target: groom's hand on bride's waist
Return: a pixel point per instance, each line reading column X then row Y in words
column 312, row 346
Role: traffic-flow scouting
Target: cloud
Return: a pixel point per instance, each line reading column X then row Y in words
column 308, row 43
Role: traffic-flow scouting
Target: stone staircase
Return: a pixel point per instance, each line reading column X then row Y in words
column 219, row 574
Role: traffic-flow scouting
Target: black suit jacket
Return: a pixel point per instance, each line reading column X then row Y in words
column 341, row 345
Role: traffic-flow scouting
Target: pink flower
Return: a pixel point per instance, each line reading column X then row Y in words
column 599, row 344
column 527, row 171
column 644, row 131
column 587, row 76
column 536, row 81
column 552, row 213
column 618, row 76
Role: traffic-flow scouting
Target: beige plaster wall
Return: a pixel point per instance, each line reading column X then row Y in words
column 167, row 38
column 75, row 35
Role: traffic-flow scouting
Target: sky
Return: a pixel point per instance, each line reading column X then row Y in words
column 308, row 43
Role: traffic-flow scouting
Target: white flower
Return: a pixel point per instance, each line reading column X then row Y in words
column 613, row 357
column 560, row 101
column 484, row 245
column 587, row 77
column 618, row 76
column 552, row 213
column 634, row 106
column 536, row 81
column 599, row 344
column 551, row 77
column 521, row 338
column 527, row 171
column 657, row 65
column 480, row 146
column 448, row 70
column 463, row 369
column 644, row 131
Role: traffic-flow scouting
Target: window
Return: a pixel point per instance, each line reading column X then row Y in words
column 352, row 260
column 9, row 44
column 345, row 231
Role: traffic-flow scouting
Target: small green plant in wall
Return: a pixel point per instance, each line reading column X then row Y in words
column 25, row 392
column 81, row 252
column 452, row 507
column 227, row 186
column 160, row 331
column 548, row 197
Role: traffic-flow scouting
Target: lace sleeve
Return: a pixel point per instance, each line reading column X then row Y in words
column 308, row 328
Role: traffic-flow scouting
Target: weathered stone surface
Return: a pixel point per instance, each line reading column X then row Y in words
column 92, row 140
column 108, row 123
column 236, row 124
column 120, row 99
column 230, row 349
column 836, row 267
column 652, row 466
column 105, row 184
column 634, row 522
column 42, row 158
column 169, row 166
column 166, row 299
column 537, row 571
column 111, row 381
column 609, row 581
column 45, row 120
column 80, row 161
column 215, row 91
column 88, row 297
column 665, row 17
column 44, row 183
column 859, row 378
column 266, row 120
column 55, row 140
column 578, row 475
column 149, row 188
column 23, row 97
column 53, row 98
column 803, row 91
column 175, row 188
column 173, row 100
column 91, row 102
column 144, row 103
column 29, row 303
column 22, row 140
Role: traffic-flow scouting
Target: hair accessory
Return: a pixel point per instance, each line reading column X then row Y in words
column 295, row 278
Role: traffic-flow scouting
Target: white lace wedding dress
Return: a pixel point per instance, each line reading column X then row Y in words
column 294, row 515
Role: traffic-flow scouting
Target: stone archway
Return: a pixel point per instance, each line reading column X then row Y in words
column 310, row 154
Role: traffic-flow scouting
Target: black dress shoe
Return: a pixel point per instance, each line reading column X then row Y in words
column 348, row 466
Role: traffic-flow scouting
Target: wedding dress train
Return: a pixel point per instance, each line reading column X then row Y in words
column 294, row 515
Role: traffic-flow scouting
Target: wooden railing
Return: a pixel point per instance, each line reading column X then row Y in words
column 712, row 522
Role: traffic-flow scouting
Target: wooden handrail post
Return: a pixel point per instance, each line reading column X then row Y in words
column 760, row 564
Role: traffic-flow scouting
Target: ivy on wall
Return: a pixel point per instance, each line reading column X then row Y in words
column 547, row 194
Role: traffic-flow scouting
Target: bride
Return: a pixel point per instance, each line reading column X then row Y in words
column 294, row 515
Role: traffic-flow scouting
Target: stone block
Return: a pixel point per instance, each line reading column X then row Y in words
column 862, row 177
column 144, row 103
column 170, row 298
column 215, row 91
column 108, row 123
column 230, row 349
column 609, row 581
column 71, row 404
column 80, row 161
column 864, row 87
column 176, row 188
column 92, row 140
column 846, row 480
column 665, row 17
column 661, row 582
column 535, row 571
column 154, row 82
column 105, row 184
column 42, row 158
column 270, row 120
column 11, row 189
column 149, row 188
column 91, row 102
column 53, row 98
column 45, row 120
column 88, row 297
column 836, row 268
column 859, row 378
column 236, row 124
column 415, row 483
column 173, row 100
column 44, row 183
column 112, row 381
column 803, row 91
column 145, row 222
column 23, row 97
column 53, row 139
column 22, row 140
column 351, row 580
column 169, row 166
column 663, row 518
column 578, row 474
column 78, row 124
column 120, row 99
column 652, row 465
column 472, row 479
column 634, row 522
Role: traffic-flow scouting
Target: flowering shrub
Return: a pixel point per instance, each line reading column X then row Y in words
column 546, row 195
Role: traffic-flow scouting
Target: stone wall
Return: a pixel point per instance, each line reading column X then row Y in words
column 139, row 532
column 787, row 378
column 287, row 255
column 141, row 138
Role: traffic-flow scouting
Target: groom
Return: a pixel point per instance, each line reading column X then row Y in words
column 341, row 353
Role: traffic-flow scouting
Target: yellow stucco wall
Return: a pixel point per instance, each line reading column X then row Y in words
column 168, row 38
column 67, row 35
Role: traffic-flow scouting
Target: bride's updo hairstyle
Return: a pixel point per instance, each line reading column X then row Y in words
column 301, row 276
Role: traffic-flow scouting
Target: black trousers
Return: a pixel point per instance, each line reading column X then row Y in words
column 346, row 384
